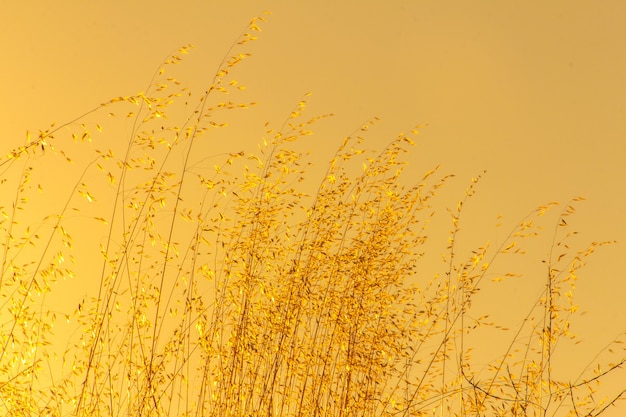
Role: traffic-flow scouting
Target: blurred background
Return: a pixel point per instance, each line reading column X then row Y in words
column 532, row 92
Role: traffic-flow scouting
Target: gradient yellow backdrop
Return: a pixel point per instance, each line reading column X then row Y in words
column 534, row 92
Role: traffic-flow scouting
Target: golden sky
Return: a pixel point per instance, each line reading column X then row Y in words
column 532, row 92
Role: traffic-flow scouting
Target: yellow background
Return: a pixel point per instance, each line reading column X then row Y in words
column 533, row 92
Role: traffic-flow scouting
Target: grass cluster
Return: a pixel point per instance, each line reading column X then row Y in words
column 224, row 289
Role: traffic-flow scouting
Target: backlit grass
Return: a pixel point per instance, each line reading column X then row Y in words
column 219, row 284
